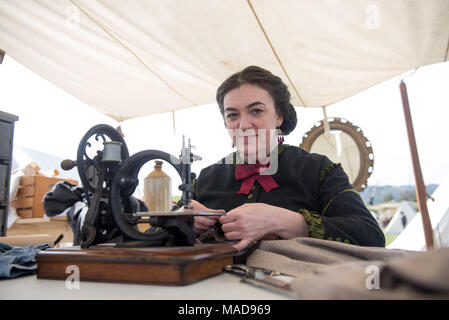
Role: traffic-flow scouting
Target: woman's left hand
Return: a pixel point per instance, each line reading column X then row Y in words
column 252, row 221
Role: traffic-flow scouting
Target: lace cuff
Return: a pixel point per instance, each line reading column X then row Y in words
column 313, row 220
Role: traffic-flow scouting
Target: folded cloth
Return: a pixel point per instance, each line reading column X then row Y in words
column 18, row 261
column 325, row 269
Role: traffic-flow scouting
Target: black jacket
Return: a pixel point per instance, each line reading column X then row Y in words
column 309, row 184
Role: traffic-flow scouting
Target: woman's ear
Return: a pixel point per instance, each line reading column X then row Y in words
column 279, row 121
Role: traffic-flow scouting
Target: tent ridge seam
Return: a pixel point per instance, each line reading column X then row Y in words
column 274, row 52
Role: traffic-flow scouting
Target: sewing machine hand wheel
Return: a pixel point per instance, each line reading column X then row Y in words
column 96, row 175
column 88, row 167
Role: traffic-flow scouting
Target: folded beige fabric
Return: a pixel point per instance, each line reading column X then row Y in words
column 332, row 270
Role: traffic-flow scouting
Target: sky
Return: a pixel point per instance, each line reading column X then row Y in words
column 52, row 121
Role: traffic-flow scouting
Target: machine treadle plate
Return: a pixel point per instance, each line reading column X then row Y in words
column 150, row 265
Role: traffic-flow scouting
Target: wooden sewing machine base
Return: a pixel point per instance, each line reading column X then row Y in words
column 150, row 265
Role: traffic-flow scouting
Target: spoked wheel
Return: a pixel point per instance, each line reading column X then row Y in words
column 103, row 228
column 87, row 165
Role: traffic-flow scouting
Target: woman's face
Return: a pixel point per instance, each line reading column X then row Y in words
column 251, row 119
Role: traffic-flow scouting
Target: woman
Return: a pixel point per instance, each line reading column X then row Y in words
column 270, row 190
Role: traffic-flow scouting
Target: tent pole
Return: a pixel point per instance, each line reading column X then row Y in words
column 421, row 193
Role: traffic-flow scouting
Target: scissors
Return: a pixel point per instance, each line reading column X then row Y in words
column 247, row 274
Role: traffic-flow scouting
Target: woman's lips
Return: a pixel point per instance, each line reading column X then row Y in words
column 246, row 139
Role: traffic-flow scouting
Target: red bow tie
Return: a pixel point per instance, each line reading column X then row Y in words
column 250, row 173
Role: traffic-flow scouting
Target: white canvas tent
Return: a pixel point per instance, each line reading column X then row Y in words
column 22, row 157
column 395, row 225
column 129, row 59
column 412, row 238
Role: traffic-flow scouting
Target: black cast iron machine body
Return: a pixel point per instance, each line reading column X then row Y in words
column 109, row 180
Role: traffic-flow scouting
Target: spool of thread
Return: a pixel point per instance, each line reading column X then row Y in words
column 157, row 190
column 112, row 151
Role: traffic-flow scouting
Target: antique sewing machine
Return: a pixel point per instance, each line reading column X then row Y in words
column 109, row 234
column 111, row 179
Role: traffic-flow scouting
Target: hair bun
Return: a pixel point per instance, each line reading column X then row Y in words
column 290, row 119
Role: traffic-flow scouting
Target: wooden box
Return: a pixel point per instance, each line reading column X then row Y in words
column 30, row 195
column 53, row 227
column 150, row 265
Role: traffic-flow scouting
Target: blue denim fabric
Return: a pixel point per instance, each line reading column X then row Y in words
column 18, row 261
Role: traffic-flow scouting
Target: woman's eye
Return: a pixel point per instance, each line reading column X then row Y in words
column 256, row 111
column 232, row 116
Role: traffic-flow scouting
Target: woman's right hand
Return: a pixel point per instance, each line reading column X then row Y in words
column 203, row 223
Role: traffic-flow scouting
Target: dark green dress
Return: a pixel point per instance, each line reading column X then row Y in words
column 309, row 184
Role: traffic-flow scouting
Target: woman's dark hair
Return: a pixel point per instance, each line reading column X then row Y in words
column 268, row 81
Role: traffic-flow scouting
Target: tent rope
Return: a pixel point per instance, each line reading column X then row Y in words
column 174, row 122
